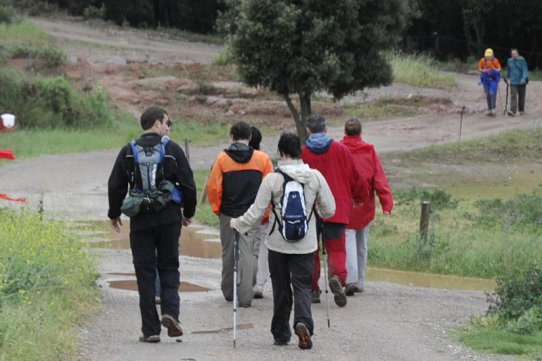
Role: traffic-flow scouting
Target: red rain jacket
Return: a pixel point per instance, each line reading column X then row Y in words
column 336, row 165
column 367, row 162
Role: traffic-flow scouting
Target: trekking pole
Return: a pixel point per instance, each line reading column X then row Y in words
column 460, row 127
column 324, row 253
column 235, row 263
column 506, row 98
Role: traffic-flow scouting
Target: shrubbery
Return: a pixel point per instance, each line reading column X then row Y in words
column 52, row 102
column 46, row 56
column 438, row 198
column 522, row 210
column 517, row 301
column 47, row 283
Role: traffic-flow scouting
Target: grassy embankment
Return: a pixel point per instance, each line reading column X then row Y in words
column 415, row 70
column 47, row 287
column 53, row 115
column 486, row 222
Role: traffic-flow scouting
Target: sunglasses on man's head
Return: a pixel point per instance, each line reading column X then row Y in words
column 168, row 123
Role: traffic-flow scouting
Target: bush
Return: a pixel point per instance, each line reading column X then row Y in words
column 47, row 285
column 52, row 103
column 6, row 15
column 93, row 12
column 47, row 56
column 523, row 210
column 518, row 298
column 438, row 198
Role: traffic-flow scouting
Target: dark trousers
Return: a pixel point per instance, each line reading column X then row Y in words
column 287, row 271
column 154, row 249
column 517, row 98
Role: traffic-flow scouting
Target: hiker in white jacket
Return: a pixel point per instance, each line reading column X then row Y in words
column 290, row 263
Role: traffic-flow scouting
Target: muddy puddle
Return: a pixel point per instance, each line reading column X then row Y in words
column 191, row 243
column 131, row 285
column 429, row 280
column 195, row 244
column 243, row 326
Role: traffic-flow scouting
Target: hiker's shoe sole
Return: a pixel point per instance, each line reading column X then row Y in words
column 150, row 339
column 173, row 326
column 337, row 290
column 305, row 342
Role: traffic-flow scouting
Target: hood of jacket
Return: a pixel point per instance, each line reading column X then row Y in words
column 355, row 143
column 296, row 169
column 319, row 143
column 239, row 152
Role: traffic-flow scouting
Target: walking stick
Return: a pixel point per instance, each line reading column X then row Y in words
column 460, row 127
column 324, row 253
column 506, row 102
column 235, row 264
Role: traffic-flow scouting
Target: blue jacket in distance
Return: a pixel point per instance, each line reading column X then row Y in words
column 516, row 71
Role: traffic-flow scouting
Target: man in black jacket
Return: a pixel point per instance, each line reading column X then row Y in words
column 154, row 234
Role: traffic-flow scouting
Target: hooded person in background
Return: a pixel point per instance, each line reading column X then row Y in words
column 490, row 75
column 336, row 164
column 233, row 184
column 516, row 73
column 291, row 263
column 361, row 215
column 263, row 265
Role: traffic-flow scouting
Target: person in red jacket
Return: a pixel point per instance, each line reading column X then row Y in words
column 336, row 164
column 357, row 231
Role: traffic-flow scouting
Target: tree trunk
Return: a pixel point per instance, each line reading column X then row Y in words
column 299, row 123
column 306, row 111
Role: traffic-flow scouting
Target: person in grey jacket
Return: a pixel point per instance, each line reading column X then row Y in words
column 516, row 73
column 290, row 264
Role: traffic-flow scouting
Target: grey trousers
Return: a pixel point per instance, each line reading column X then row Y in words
column 248, row 262
column 356, row 255
column 517, row 98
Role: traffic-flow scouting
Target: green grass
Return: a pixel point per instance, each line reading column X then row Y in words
column 23, row 31
column 33, row 143
column 383, row 108
column 203, row 211
column 499, row 167
column 47, row 287
column 499, row 341
column 535, row 74
column 419, row 70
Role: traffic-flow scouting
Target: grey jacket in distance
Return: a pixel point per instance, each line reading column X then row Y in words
column 316, row 192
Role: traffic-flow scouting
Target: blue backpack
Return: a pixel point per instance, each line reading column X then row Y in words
column 293, row 221
column 148, row 170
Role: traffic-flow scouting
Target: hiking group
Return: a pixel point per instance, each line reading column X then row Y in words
column 516, row 80
column 271, row 221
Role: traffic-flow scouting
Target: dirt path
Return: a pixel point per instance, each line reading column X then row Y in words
column 388, row 322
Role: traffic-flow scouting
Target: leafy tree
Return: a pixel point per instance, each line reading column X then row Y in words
column 301, row 47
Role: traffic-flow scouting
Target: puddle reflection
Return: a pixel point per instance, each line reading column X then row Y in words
column 429, row 280
column 131, row 285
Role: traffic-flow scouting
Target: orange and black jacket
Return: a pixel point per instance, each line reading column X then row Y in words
column 235, row 179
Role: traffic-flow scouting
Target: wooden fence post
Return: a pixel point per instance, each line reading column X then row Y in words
column 424, row 220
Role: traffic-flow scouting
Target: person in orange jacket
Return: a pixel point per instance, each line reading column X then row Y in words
column 490, row 75
column 233, row 184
